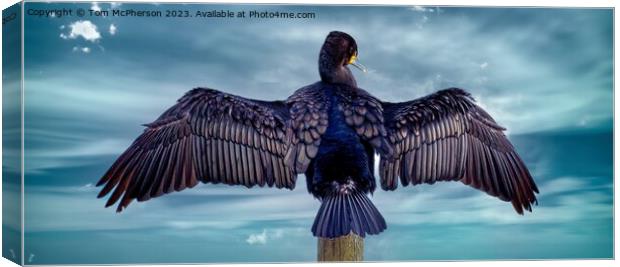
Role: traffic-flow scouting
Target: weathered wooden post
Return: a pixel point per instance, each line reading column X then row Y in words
column 345, row 248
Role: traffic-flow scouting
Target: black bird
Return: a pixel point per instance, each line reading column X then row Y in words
column 330, row 131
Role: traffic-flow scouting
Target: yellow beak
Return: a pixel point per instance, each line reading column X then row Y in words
column 353, row 61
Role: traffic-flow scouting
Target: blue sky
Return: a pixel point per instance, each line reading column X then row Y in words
column 545, row 74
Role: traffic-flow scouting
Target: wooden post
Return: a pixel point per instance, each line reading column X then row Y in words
column 345, row 248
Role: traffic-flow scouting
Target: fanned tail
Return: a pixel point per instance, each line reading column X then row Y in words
column 343, row 212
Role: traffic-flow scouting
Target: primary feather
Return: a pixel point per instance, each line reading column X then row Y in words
column 447, row 137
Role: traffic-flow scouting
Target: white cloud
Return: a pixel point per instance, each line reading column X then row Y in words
column 83, row 49
column 279, row 233
column 461, row 66
column 260, row 239
column 423, row 9
column 436, row 204
column 419, row 8
column 89, row 187
column 263, row 237
column 95, row 7
column 112, row 29
column 76, row 208
column 563, row 184
column 84, row 148
column 421, row 22
column 84, row 29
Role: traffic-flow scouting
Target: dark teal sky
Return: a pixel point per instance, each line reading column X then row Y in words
column 545, row 74
column 11, row 134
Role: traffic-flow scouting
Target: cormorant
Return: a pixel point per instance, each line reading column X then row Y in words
column 330, row 131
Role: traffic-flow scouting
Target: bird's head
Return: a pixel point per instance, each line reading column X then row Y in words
column 342, row 48
column 339, row 50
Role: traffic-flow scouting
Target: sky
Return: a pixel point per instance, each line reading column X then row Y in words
column 11, row 134
column 90, row 82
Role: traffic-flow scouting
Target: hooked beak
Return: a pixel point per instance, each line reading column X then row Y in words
column 359, row 66
column 353, row 61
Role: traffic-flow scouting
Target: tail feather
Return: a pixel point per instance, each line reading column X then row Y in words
column 343, row 213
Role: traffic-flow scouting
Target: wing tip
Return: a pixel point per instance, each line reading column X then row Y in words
column 106, row 190
column 520, row 207
column 101, row 181
column 108, row 204
column 387, row 187
column 119, row 209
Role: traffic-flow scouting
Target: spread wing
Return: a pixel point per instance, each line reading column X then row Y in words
column 207, row 136
column 446, row 137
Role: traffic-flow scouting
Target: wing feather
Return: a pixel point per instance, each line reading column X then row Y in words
column 308, row 122
column 446, row 137
column 207, row 136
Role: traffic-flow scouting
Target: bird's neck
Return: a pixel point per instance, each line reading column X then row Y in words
column 332, row 71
